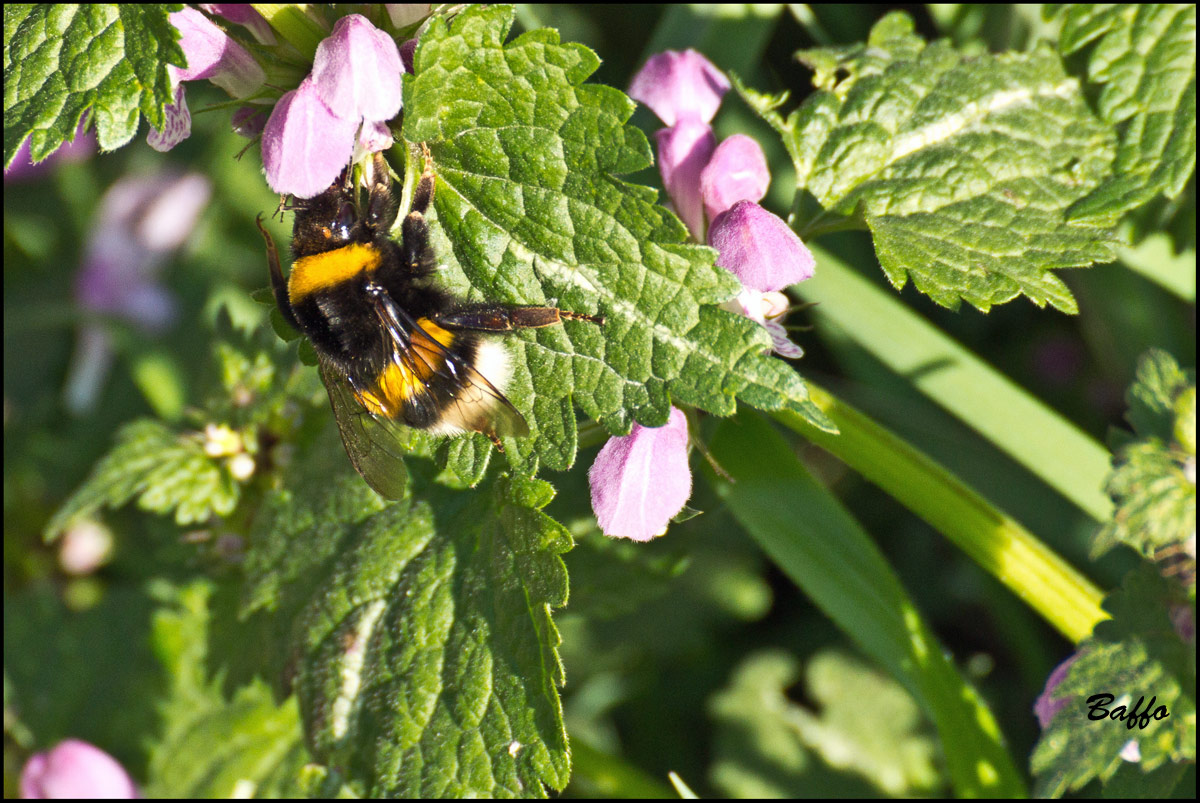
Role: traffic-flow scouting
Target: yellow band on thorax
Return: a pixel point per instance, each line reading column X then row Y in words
column 318, row 272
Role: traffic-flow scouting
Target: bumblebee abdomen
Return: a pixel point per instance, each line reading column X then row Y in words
column 413, row 385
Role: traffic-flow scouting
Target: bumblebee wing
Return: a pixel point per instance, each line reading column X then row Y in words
column 371, row 444
column 474, row 392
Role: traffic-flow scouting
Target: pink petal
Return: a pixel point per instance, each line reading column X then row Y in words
column 683, row 151
column 177, row 125
column 356, row 71
column 373, row 138
column 737, row 172
column 1047, row 704
column 78, row 770
column 140, row 220
column 305, row 145
column 759, row 248
column 641, row 481
column 680, row 86
column 781, row 344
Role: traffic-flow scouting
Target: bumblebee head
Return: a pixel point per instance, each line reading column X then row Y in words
column 338, row 216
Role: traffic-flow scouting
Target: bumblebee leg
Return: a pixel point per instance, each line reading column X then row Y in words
column 501, row 318
column 381, row 206
column 423, row 196
column 278, row 283
column 415, row 252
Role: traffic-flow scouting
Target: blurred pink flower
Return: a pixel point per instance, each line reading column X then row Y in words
column 141, row 220
column 81, row 146
column 75, row 770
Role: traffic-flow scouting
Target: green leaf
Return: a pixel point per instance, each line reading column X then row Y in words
column 424, row 656
column 530, row 210
column 1137, row 653
column 962, row 168
column 1142, row 58
column 1155, row 497
column 211, row 746
column 60, row 61
column 167, row 471
column 862, row 724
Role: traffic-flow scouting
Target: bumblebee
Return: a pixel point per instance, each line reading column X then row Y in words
column 394, row 348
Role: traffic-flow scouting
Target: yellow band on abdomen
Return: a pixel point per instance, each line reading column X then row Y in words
column 408, row 372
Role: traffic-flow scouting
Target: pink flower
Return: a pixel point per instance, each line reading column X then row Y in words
column 715, row 188
column 680, row 86
column 641, row 481
column 141, row 221
column 78, row 770
column 211, row 55
column 353, row 90
column 759, row 248
column 766, row 256
column 684, row 90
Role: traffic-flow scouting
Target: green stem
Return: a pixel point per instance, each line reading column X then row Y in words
column 995, row 541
